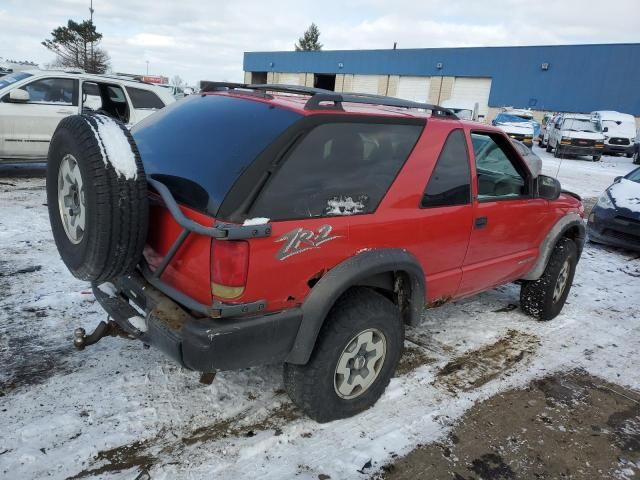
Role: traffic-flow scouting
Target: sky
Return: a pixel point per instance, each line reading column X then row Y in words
column 198, row 39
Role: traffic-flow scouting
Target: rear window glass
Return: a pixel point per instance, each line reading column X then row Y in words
column 144, row 98
column 199, row 146
column 337, row 169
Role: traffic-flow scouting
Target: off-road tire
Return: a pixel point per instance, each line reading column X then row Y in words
column 536, row 297
column 116, row 207
column 311, row 386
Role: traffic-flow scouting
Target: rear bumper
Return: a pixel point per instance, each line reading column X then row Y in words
column 202, row 344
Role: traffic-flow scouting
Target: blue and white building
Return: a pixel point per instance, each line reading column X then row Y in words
column 558, row 78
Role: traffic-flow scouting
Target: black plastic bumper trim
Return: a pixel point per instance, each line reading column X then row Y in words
column 201, row 344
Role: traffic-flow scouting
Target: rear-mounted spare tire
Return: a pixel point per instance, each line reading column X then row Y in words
column 97, row 197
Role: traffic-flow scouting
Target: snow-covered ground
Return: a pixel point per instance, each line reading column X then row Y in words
column 116, row 409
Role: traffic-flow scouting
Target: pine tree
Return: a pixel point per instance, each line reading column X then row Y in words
column 76, row 46
column 309, row 41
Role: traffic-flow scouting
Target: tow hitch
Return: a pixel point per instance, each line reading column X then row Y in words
column 104, row 329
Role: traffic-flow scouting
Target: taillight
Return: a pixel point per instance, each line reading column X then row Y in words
column 229, row 267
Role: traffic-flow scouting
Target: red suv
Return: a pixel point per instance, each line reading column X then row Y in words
column 258, row 224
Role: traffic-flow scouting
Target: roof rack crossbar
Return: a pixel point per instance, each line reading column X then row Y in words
column 329, row 100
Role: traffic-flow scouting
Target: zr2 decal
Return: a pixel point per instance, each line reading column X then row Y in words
column 300, row 240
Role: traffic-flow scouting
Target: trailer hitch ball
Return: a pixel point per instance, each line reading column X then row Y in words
column 79, row 335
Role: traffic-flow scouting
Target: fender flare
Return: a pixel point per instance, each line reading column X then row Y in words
column 346, row 274
column 570, row 220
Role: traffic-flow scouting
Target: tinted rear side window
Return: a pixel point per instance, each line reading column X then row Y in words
column 144, row 98
column 450, row 182
column 199, row 146
column 337, row 169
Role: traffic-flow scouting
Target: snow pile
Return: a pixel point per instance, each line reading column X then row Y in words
column 115, row 147
column 626, row 194
column 255, row 221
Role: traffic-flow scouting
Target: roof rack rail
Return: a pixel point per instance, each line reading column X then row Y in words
column 322, row 99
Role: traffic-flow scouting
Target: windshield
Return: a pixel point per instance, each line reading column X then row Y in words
column 580, row 125
column 634, row 176
column 219, row 137
column 12, row 78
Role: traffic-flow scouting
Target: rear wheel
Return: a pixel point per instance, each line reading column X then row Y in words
column 545, row 297
column 356, row 354
column 636, row 157
column 596, row 158
column 548, row 147
column 96, row 196
column 628, row 155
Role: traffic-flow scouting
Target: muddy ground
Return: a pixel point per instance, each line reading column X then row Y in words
column 572, row 426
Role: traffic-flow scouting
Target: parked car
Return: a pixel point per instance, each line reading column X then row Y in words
column 636, row 149
column 534, row 162
column 517, row 127
column 33, row 102
column 619, row 132
column 464, row 109
column 546, row 132
column 615, row 218
column 302, row 228
column 576, row 134
column 546, row 119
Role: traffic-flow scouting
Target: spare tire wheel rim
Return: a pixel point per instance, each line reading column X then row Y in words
column 561, row 282
column 360, row 363
column 71, row 201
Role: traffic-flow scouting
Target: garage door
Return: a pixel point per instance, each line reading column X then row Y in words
column 365, row 84
column 414, row 88
column 289, row 79
column 473, row 89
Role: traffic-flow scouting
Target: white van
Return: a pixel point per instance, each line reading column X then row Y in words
column 576, row 134
column 619, row 131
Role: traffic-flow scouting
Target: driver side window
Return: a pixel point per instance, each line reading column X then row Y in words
column 500, row 177
column 57, row 91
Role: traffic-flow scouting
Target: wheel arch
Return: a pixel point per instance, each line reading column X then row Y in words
column 570, row 226
column 393, row 272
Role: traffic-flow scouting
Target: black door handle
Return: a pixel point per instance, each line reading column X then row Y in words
column 481, row 222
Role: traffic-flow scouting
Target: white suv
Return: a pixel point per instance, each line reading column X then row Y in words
column 33, row 102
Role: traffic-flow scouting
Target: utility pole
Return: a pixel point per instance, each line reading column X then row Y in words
column 147, row 66
column 91, row 21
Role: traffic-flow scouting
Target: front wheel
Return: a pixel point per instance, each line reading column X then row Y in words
column 596, row 158
column 628, row 155
column 636, row 158
column 356, row 354
column 545, row 297
column 548, row 147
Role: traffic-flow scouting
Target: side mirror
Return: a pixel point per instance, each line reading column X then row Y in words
column 493, row 122
column 17, row 95
column 605, row 129
column 617, row 179
column 548, row 187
